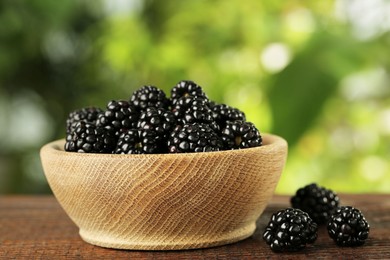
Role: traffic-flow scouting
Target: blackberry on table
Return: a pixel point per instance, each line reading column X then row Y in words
column 186, row 88
column 224, row 113
column 239, row 135
column 119, row 116
column 290, row 230
column 137, row 141
column 348, row 227
column 88, row 138
column 86, row 114
column 149, row 96
column 160, row 120
column 196, row 137
column 318, row 202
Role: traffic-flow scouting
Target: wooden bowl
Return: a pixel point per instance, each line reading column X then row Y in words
column 165, row 201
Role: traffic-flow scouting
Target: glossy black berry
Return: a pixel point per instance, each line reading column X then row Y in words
column 239, row 135
column 348, row 227
column 224, row 113
column 201, row 115
column 196, row 137
column 87, row 114
column 119, row 117
column 88, row 138
column 161, row 121
column 290, row 230
column 137, row 141
column 149, row 96
column 186, row 88
column 317, row 201
column 187, row 102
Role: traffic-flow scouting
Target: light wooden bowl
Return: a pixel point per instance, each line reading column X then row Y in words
column 165, row 201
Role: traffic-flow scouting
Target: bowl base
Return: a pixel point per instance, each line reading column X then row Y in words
column 223, row 239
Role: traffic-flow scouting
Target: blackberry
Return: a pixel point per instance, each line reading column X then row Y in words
column 88, row 138
column 224, row 113
column 318, row 202
column 159, row 120
column 149, row 96
column 119, row 116
column 137, row 141
column 348, row 227
column 196, row 137
column 239, row 134
column 290, row 230
column 87, row 114
column 186, row 88
column 199, row 114
column 186, row 102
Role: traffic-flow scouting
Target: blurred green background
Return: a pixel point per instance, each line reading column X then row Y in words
column 315, row 72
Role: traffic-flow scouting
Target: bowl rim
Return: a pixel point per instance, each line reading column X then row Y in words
column 271, row 142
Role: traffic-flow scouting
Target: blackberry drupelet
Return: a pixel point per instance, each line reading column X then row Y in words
column 149, row 96
column 348, row 227
column 290, row 230
column 186, row 102
column 318, row 202
column 137, row 141
column 239, row 135
column 186, row 88
column 161, row 121
column 196, row 137
column 86, row 114
column 224, row 113
column 88, row 138
column 119, row 116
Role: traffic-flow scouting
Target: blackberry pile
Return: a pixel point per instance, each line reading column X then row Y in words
column 150, row 122
column 315, row 205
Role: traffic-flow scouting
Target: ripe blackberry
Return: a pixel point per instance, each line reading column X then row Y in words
column 88, row 138
column 196, row 137
column 86, row 114
column 186, row 88
column 186, row 102
column 318, row 202
column 160, row 120
column 137, row 141
column 223, row 113
column 199, row 114
column 119, row 116
column 239, row 135
column 290, row 230
column 149, row 96
column 348, row 227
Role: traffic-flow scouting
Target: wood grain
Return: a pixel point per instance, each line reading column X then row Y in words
column 167, row 201
column 36, row 227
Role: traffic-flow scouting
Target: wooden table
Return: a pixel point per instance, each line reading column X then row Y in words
column 36, row 227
